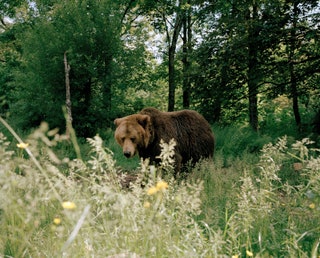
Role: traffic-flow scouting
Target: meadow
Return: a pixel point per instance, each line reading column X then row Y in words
column 62, row 197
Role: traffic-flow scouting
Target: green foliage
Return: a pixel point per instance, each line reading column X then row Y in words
column 234, row 143
column 118, row 53
column 255, row 48
column 91, row 42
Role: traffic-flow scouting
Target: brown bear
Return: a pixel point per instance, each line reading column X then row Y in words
column 141, row 134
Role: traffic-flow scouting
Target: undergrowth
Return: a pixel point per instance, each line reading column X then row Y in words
column 53, row 206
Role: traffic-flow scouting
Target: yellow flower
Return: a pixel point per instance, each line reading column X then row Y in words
column 69, row 205
column 312, row 206
column 249, row 253
column 57, row 221
column 162, row 185
column 152, row 190
column 22, row 145
column 235, row 256
column 147, row 205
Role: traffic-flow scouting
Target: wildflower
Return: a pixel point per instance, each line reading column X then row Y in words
column 152, row 190
column 312, row 206
column 235, row 256
column 22, row 145
column 69, row 205
column 147, row 205
column 57, row 221
column 162, row 185
column 249, row 253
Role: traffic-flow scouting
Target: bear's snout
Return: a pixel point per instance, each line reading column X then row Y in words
column 127, row 154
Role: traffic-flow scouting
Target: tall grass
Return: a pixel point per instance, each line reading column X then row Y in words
column 53, row 206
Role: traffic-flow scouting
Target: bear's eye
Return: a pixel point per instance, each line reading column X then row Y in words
column 133, row 139
column 122, row 139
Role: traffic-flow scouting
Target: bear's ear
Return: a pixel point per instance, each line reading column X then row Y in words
column 143, row 120
column 118, row 121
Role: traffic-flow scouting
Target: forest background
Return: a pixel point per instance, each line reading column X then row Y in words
column 251, row 62
column 252, row 68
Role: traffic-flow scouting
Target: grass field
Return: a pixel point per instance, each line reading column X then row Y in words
column 259, row 198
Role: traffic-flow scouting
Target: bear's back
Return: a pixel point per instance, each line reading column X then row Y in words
column 191, row 131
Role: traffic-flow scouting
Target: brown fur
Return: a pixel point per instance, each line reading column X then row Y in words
column 141, row 134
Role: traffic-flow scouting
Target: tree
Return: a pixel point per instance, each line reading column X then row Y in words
column 246, row 38
column 296, row 63
column 8, row 10
column 186, row 54
column 68, row 96
column 91, row 37
column 300, row 33
column 167, row 18
column 292, row 49
column 171, row 53
column 253, row 63
column 9, row 50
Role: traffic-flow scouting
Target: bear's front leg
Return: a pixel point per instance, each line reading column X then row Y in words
column 177, row 165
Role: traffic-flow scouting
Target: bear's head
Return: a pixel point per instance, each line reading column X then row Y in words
column 133, row 133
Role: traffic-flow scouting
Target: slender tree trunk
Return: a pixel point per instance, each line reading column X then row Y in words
column 107, row 92
column 293, row 79
column 172, row 86
column 172, row 52
column 294, row 93
column 217, row 108
column 253, row 69
column 253, row 106
column 187, row 48
column 68, row 95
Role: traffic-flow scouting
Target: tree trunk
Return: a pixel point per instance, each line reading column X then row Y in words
column 107, row 93
column 293, row 79
column 68, row 95
column 294, row 93
column 253, row 69
column 172, row 86
column 172, row 51
column 253, row 106
column 187, row 36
